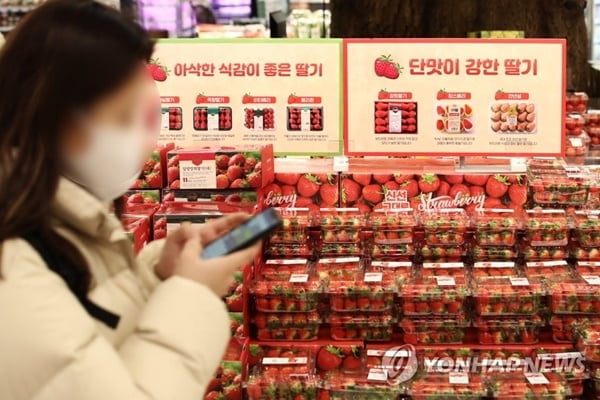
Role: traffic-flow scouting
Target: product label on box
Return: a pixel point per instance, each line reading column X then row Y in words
column 391, row 264
column 592, row 279
column 445, row 281
column 498, row 264
column 395, row 119
column 305, row 119
column 373, row 277
column 284, row 360
column 299, row 278
column 339, row 260
column 443, row 265
column 516, row 281
column 377, row 375
column 546, row 264
column 198, row 176
column 553, row 356
column 295, row 261
column 458, row 378
column 213, row 119
column 536, row 378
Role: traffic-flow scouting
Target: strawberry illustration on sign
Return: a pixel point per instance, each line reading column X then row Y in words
column 201, row 98
column 441, row 95
column 158, row 71
column 247, row 99
column 292, row 98
column 386, row 67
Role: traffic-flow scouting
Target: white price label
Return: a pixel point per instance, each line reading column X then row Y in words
column 373, row 277
column 284, row 360
column 299, row 278
column 341, row 164
column 443, row 265
column 377, row 375
column 458, row 378
column 445, row 281
column 499, row 264
column 339, row 260
column 391, row 264
column 546, row 264
column 592, row 279
column 295, row 261
column 515, row 281
column 536, row 378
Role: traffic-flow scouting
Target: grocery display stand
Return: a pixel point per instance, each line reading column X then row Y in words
column 455, row 277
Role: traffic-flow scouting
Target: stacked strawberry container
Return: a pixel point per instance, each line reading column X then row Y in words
column 445, row 232
column 286, row 291
column 576, row 139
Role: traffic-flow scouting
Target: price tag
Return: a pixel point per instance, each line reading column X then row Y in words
column 295, row 261
column 443, row 265
column 519, row 281
column 299, row 278
column 377, row 375
column 284, row 360
column 546, row 264
column 373, row 277
column 592, row 279
column 502, row 210
column 339, row 260
column 341, row 164
column 391, row 264
column 536, row 378
column 445, row 281
column 552, row 356
column 496, row 264
column 458, row 378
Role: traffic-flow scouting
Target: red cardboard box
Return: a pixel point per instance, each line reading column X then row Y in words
column 138, row 231
column 221, row 167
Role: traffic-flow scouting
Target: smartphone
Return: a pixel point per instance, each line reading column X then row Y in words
column 256, row 228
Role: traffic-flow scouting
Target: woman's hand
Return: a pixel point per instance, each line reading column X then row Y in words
column 181, row 255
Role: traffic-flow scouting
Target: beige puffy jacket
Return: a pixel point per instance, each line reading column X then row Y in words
column 169, row 340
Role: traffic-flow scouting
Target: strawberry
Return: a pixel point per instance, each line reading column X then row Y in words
column 154, row 179
column 234, row 172
column 412, row 188
column 237, row 159
column 429, row 183
column 175, row 185
column 308, row 185
column 352, row 362
column 238, row 184
column 401, row 178
column 214, row 395
column 222, row 161
column 382, row 178
column 517, row 194
column 477, row 180
column 362, row 179
column 287, row 179
column 254, row 179
column 373, row 193
column 476, row 191
column 381, row 64
column 329, row 358
column 233, row 392
column 391, row 185
column 496, row 186
column 250, row 164
column 158, row 72
column 459, row 189
column 272, row 190
column 172, row 173
column 329, row 194
column 222, row 181
column 444, row 189
column 350, row 191
column 136, row 198
column 454, row 179
column 391, row 71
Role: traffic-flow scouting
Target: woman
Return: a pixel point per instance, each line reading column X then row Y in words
column 80, row 317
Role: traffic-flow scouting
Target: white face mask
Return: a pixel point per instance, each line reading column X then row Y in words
column 111, row 163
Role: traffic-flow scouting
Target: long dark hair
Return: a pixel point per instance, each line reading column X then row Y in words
column 63, row 56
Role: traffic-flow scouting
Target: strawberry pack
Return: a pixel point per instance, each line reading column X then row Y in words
column 434, row 329
column 221, row 167
column 154, row 171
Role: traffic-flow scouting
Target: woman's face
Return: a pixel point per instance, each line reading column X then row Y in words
column 133, row 106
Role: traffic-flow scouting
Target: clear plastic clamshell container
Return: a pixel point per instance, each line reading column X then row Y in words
column 445, row 226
